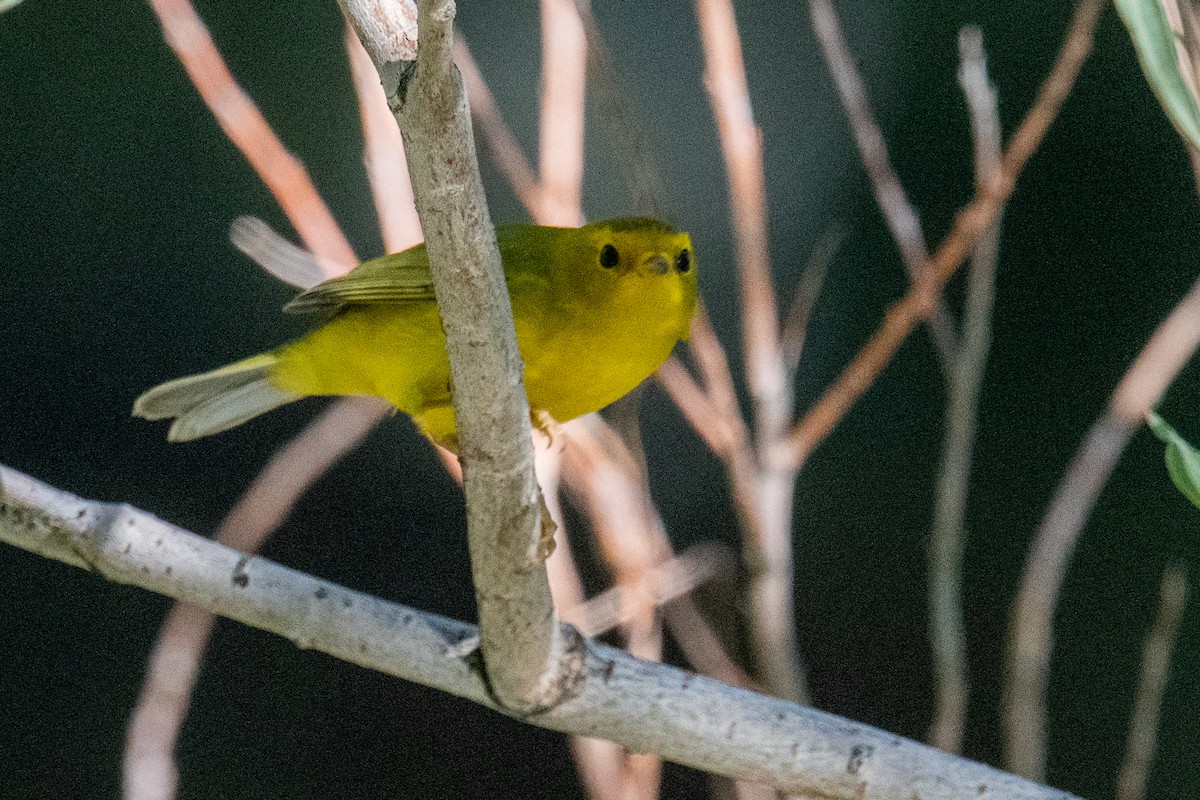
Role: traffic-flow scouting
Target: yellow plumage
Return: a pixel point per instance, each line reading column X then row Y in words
column 597, row 310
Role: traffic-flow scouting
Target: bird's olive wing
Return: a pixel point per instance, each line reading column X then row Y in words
column 396, row 278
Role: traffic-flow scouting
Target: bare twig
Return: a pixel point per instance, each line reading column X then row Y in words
column 148, row 764
column 890, row 196
column 763, row 492
column 1173, row 343
column 601, row 763
column 564, row 67
column 697, row 407
column 502, row 145
column 970, row 224
column 741, row 147
column 804, row 301
column 526, row 656
column 606, row 476
column 634, row 155
column 946, row 634
column 609, row 478
column 662, row 583
column 1152, row 685
column 245, row 126
column 718, row 380
column 700, row 644
column 647, row 707
column 383, row 154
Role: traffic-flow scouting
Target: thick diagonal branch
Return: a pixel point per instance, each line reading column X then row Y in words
column 647, row 707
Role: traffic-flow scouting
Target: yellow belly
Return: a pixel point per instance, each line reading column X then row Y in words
column 398, row 352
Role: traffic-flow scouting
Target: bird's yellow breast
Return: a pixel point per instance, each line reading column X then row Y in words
column 596, row 309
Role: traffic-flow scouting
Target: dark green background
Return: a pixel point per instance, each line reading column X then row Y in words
column 116, row 191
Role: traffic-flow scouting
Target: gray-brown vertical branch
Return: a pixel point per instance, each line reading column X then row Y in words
column 524, row 649
column 947, row 634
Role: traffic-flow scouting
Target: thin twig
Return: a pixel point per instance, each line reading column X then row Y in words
column 741, row 147
column 612, row 484
column 148, row 764
column 383, row 154
column 245, row 126
column 655, row 587
column 971, row 223
column 560, row 142
column 762, row 491
column 503, row 147
column 604, row 471
column 689, row 719
column 948, row 540
column 893, row 202
column 634, row 155
column 718, row 379
column 601, row 763
column 1157, row 652
column 804, row 301
column 700, row 644
column 696, row 406
column 1169, row 348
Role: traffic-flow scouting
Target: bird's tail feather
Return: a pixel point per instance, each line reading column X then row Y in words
column 215, row 401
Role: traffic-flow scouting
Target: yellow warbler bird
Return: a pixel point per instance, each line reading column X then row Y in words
column 597, row 310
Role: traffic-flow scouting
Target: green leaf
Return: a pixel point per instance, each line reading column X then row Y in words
column 1183, row 460
column 1155, row 44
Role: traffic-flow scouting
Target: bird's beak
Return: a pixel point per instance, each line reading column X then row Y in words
column 657, row 264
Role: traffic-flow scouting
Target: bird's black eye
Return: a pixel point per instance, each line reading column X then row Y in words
column 683, row 261
column 608, row 256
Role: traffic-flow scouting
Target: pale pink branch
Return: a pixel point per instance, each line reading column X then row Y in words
column 696, row 406
column 741, row 147
column 762, row 493
column 654, row 588
column 602, row 472
column 898, row 213
column 245, row 126
column 560, row 142
column 503, row 147
column 601, row 763
column 718, row 379
column 1170, row 347
column 631, row 540
column 149, row 758
column 383, row 154
column 565, row 583
column 601, row 766
column 296, row 467
column 700, row 644
column 633, row 544
column 148, row 770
